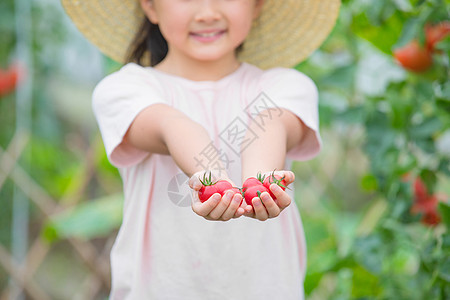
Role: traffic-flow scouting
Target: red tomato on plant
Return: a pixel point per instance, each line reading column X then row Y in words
column 420, row 190
column 414, row 57
column 8, row 80
column 254, row 191
column 428, row 208
column 435, row 33
column 425, row 203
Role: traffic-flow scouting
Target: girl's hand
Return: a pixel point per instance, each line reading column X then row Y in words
column 216, row 208
column 268, row 207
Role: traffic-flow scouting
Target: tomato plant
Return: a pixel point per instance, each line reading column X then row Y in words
column 399, row 238
column 418, row 58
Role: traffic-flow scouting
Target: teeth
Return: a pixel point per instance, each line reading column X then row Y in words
column 208, row 34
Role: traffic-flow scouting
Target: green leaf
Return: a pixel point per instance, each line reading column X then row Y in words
column 426, row 129
column 312, row 280
column 369, row 183
column 409, row 32
column 429, row 178
column 365, row 283
column 384, row 38
column 444, row 209
column 444, row 44
column 95, row 218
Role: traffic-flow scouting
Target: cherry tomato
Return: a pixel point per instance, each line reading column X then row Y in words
column 429, row 209
column 277, row 179
column 8, row 80
column 254, row 191
column 206, row 192
column 251, row 181
column 435, row 33
column 222, row 186
column 425, row 203
column 209, row 188
column 420, row 190
column 414, row 57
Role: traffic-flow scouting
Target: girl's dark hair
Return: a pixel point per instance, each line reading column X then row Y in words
column 148, row 45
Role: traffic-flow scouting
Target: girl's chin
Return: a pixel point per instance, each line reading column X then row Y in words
column 208, row 57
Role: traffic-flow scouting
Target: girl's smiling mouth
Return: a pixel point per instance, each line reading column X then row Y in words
column 207, row 35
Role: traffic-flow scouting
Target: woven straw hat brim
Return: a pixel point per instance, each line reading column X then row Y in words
column 286, row 32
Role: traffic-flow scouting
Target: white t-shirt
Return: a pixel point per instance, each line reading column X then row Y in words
column 163, row 249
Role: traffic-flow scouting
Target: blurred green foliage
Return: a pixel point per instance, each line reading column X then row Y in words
column 405, row 117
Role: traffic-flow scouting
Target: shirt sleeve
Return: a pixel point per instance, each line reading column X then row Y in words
column 293, row 90
column 116, row 102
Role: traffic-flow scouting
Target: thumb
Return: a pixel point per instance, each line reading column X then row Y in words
column 194, row 181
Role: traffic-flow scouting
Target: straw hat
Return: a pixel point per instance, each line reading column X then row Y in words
column 286, row 32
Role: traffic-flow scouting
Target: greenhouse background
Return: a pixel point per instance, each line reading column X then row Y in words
column 374, row 203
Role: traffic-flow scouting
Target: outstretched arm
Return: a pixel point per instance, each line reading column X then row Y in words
column 267, row 153
column 165, row 130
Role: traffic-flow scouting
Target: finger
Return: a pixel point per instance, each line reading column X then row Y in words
column 260, row 210
column 248, row 211
column 218, row 211
column 272, row 208
column 194, row 181
column 283, row 199
column 205, row 208
column 231, row 211
column 239, row 212
column 289, row 177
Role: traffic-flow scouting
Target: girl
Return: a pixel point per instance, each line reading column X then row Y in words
column 205, row 104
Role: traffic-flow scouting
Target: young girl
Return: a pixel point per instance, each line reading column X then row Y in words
column 205, row 104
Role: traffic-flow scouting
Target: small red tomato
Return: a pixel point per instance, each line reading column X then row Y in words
column 222, row 186
column 429, row 209
column 206, row 192
column 435, row 33
column 208, row 189
column 277, row 179
column 414, row 57
column 8, row 80
column 420, row 190
column 235, row 190
column 251, row 181
column 254, row 191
